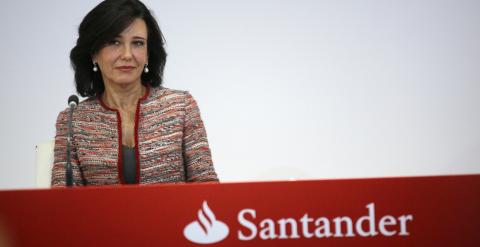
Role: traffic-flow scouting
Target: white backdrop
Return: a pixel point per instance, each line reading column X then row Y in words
column 304, row 89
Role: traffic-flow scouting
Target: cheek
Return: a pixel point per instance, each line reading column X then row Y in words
column 141, row 55
column 107, row 57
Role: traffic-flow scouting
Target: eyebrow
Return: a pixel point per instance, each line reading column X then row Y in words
column 134, row 37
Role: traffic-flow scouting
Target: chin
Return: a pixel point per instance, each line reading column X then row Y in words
column 125, row 80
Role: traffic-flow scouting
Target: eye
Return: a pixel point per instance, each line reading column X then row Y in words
column 114, row 42
column 139, row 43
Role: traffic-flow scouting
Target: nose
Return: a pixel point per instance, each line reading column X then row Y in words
column 126, row 52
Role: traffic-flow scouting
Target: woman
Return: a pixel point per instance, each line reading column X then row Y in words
column 130, row 130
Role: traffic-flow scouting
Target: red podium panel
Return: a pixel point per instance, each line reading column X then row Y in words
column 407, row 211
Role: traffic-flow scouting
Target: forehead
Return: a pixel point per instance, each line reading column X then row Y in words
column 137, row 28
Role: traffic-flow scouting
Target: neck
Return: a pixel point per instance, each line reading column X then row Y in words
column 123, row 97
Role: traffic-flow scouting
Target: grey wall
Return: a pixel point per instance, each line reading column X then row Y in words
column 304, row 89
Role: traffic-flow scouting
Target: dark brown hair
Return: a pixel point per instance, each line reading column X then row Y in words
column 101, row 25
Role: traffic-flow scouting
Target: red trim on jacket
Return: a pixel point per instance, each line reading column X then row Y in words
column 120, row 149
column 137, row 119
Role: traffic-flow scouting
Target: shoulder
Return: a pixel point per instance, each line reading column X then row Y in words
column 89, row 105
column 163, row 95
column 167, row 93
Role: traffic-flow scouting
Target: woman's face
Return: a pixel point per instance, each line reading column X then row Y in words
column 122, row 60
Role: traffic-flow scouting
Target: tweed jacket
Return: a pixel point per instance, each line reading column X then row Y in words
column 170, row 142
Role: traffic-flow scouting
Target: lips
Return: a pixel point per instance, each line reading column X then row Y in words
column 125, row 68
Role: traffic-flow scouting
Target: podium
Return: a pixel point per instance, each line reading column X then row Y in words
column 403, row 211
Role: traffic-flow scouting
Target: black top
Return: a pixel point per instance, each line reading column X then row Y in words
column 129, row 164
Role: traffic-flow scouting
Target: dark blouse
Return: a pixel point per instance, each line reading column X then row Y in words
column 129, row 164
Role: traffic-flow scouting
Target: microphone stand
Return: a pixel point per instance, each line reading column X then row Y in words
column 69, row 140
column 72, row 102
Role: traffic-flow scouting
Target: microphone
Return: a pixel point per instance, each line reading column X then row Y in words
column 72, row 103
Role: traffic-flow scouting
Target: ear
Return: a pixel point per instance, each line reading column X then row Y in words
column 94, row 58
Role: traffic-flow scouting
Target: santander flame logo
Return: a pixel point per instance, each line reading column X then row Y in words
column 207, row 229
